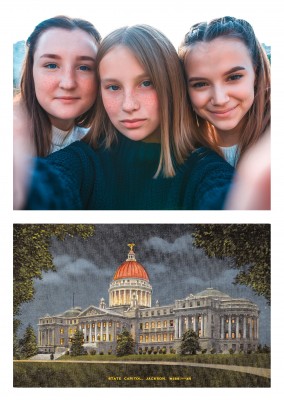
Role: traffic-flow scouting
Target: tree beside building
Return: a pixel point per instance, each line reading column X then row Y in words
column 125, row 343
column 77, row 348
column 189, row 343
column 29, row 343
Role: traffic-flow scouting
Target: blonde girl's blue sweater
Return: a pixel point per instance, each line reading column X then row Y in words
column 122, row 178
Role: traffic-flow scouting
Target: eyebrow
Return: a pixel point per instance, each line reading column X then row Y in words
column 57, row 57
column 234, row 69
column 138, row 78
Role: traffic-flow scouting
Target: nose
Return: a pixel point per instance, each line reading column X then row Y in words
column 67, row 79
column 130, row 102
column 219, row 96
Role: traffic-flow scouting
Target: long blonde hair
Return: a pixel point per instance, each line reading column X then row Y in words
column 257, row 119
column 159, row 58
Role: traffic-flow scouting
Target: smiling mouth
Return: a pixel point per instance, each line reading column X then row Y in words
column 223, row 112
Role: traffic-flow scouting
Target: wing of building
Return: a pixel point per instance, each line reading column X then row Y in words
column 221, row 322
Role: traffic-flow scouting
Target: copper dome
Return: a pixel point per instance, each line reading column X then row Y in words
column 131, row 269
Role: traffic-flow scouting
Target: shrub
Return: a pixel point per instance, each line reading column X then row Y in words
column 204, row 351
column 93, row 352
column 101, row 353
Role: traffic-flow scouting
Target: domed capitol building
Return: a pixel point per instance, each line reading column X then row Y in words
column 221, row 322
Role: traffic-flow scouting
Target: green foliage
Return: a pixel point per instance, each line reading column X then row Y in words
column 248, row 245
column 32, row 254
column 77, row 344
column 29, row 343
column 125, row 343
column 189, row 343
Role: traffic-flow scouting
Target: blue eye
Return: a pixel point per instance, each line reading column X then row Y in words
column 198, row 84
column 113, row 88
column 51, row 66
column 235, row 77
column 147, row 83
column 84, row 68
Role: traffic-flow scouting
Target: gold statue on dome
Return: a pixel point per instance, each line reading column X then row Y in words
column 131, row 245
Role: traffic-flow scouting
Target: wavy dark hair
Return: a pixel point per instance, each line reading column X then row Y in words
column 41, row 125
column 258, row 117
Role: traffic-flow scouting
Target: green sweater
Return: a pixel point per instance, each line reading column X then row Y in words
column 121, row 178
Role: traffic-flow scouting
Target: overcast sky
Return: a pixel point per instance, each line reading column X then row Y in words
column 175, row 268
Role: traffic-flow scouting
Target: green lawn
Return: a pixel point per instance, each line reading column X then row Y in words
column 125, row 375
column 254, row 360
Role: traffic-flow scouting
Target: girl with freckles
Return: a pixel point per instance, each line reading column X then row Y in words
column 138, row 153
column 228, row 82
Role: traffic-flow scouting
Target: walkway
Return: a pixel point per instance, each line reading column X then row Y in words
column 264, row 372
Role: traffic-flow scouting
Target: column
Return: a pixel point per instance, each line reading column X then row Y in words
column 176, row 328
column 90, row 333
column 101, row 330
column 85, row 333
column 107, row 331
column 237, row 327
column 230, row 327
column 194, row 323
column 222, row 327
column 257, row 328
column 245, row 327
column 180, row 327
column 96, row 332
column 202, row 325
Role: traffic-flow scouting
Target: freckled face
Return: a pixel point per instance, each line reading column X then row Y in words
column 64, row 74
column 221, row 77
column 128, row 95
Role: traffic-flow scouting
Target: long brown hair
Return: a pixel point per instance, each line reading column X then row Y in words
column 159, row 58
column 257, row 119
column 41, row 125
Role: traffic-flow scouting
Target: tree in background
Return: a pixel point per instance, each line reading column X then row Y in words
column 189, row 343
column 125, row 343
column 32, row 256
column 77, row 348
column 248, row 245
column 28, row 345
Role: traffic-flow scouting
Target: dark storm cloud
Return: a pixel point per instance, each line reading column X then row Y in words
column 176, row 268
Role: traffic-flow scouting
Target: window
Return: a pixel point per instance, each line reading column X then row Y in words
column 117, row 325
column 62, row 331
column 83, row 326
column 165, row 323
column 104, row 324
column 93, row 338
column 199, row 332
column 198, row 303
column 165, row 311
column 99, row 338
column 99, row 324
column 152, row 313
column 165, row 337
column 93, row 325
column 159, row 324
column 171, row 337
column 152, row 324
column 70, row 331
column 171, row 322
column 141, row 338
column 233, row 335
column 110, row 324
column 104, row 337
column 152, row 338
column 146, row 325
column 158, row 312
column 110, row 337
column 88, row 326
column 159, row 337
column 141, row 325
column 146, row 338
column 62, row 341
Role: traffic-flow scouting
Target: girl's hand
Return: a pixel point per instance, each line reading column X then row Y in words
column 251, row 190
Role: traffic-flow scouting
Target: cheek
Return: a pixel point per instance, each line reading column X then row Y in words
column 111, row 105
column 197, row 99
column 151, row 101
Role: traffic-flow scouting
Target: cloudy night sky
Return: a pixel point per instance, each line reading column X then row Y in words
column 175, row 267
